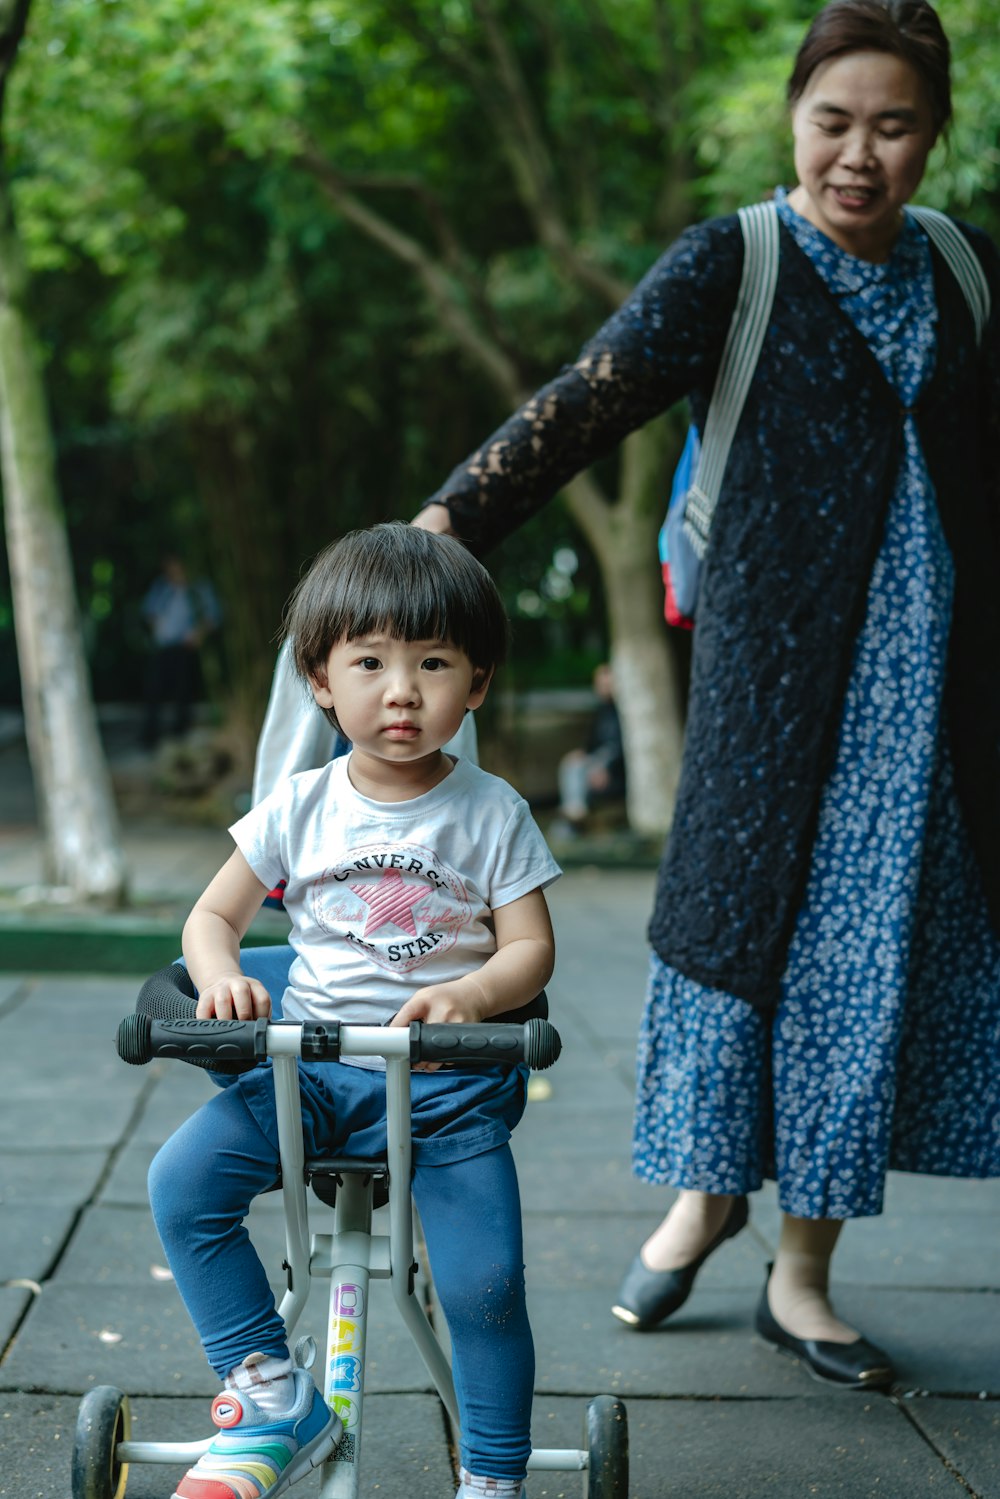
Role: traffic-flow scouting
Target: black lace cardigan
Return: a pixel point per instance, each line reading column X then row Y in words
column 783, row 592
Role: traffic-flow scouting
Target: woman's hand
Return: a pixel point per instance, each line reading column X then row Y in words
column 232, row 996
column 435, row 518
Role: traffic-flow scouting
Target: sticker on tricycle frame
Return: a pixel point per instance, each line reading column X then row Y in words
column 346, row 1362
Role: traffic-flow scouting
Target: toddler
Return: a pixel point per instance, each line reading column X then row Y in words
column 414, row 886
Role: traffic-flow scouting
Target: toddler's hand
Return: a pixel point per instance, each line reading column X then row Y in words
column 443, row 1004
column 457, row 1003
column 234, row 997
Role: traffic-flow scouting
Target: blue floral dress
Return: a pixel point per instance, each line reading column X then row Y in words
column 885, row 1048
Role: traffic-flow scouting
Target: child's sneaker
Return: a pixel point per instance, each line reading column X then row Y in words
column 257, row 1456
column 473, row 1487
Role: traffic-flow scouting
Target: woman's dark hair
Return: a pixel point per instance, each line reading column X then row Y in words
column 909, row 29
column 401, row 581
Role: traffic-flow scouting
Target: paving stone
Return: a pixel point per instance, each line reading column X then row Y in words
column 134, row 1328
column 13, row 1301
column 66, row 1343
column 601, row 1133
column 930, row 1195
column 919, row 1251
column 600, row 1027
column 32, row 1239
column 583, row 1072
column 706, row 1349
column 113, row 1246
column 576, row 1184
column 126, row 1182
column 53, row 1037
column 761, row 1425
column 593, row 913
column 178, row 1092
column 840, row 1446
column 12, row 986
column 53, row 1176
column 967, row 1435
column 98, row 1119
column 83, row 1001
column 944, row 1238
column 405, row 1450
column 946, row 1344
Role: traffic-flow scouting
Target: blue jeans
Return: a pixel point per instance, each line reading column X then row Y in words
column 201, row 1186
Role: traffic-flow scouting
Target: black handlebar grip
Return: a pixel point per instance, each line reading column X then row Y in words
column 536, row 1043
column 141, row 1038
column 170, row 995
column 542, row 1044
column 132, row 1040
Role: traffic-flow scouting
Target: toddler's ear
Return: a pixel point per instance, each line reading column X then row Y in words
column 320, row 690
column 482, row 676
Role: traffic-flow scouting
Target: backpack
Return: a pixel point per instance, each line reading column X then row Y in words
column 697, row 478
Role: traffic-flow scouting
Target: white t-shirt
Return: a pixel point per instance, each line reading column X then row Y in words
column 388, row 897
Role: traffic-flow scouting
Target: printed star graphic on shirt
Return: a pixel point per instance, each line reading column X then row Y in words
column 390, row 903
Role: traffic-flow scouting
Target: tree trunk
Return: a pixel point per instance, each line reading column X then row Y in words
column 79, row 820
column 647, row 691
column 624, row 539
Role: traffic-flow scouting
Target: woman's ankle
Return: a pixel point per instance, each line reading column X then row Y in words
column 798, row 1296
column 692, row 1223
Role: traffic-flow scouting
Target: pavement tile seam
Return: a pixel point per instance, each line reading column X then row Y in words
column 33, row 1292
column 51, row 1392
column 941, row 1457
column 80, row 1213
column 19, row 994
column 895, row 1395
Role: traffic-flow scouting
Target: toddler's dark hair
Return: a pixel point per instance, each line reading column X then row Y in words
column 401, row 581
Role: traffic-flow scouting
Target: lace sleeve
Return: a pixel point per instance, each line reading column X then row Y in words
column 663, row 342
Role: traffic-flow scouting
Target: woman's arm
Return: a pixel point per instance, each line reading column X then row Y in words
column 663, row 342
column 518, row 970
column 211, row 944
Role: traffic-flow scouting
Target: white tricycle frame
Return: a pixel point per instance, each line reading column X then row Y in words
column 351, row 1257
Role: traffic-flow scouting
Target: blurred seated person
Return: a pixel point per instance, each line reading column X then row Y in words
column 595, row 773
column 179, row 615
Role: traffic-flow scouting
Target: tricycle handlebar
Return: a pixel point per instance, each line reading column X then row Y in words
column 142, row 1037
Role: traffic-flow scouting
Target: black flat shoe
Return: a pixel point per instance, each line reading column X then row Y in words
column 648, row 1296
column 852, row 1366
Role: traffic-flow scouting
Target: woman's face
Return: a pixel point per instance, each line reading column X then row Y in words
column 862, row 130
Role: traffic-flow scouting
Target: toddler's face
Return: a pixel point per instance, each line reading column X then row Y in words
column 399, row 700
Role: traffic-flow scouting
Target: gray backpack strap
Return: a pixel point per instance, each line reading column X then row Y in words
column 962, row 261
column 751, row 314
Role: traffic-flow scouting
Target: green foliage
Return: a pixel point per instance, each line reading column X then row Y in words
column 237, row 371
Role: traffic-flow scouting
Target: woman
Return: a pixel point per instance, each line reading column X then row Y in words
column 825, row 978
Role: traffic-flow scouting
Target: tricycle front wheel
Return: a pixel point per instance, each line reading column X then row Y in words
column 104, row 1421
column 605, row 1437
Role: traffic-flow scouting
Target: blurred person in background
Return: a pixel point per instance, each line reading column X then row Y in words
column 596, row 772
column 179, row 615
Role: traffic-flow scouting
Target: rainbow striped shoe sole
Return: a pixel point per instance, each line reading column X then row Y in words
column 256, row 1456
